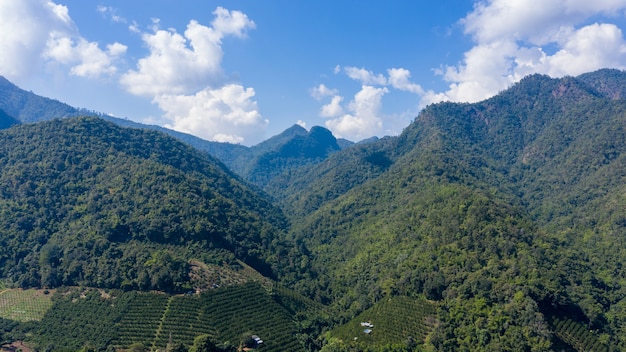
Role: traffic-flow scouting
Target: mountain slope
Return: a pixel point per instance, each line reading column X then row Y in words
column 28, row 107
column 506, row 210
column 87, row 202
column 7, row 121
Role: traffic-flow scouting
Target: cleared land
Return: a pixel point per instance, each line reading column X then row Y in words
column 24, row 305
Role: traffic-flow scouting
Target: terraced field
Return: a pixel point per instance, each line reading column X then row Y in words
column 577, row 335
column 230, row 314
column 24, row 305
column 394, row 320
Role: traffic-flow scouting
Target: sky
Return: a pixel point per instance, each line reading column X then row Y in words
column 241, row 71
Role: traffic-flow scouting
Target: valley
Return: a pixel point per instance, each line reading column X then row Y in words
column 492, row 226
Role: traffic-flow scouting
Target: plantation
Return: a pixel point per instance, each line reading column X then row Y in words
column 577, row 335
column 240, row 311
column 140, row 322
column 24, row 305
column 75, row 318
column 392, row 321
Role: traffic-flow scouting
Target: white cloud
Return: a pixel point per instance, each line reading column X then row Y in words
column 134, row 27
column 183, row 75
column 183, row 64
column 177, row 64
column 399, row 79
column 363, row 116
column 322, row 91
column 364, row 120
column 590, row 48
column 226, row 114
column 86, row 58
column 110, row 12
column 232, row 22
column 332, row 109
column 365, row 77
column 511, row 38
column 36, row 32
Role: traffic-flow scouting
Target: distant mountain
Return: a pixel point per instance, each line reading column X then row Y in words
column 6, row 120
column 294, row 147
column 86, row 202
column 28, row 107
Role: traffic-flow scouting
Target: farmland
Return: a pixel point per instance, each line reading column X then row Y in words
column 24, row 305
column 76, row 317
column 394, row 320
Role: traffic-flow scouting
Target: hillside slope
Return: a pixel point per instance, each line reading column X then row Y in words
column 507, row 211
column 6, row 120
column 85, row 202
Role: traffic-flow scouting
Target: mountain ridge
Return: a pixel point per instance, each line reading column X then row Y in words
column 508, row 214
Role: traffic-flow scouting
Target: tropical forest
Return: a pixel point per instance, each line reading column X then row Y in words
column 490, row 226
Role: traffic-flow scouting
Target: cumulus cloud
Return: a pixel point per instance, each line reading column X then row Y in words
column 322, row 91
column 226, row 114
column 364, row 119
column 399, row 79
column 365, row 76
column 332, row 109
column 232, row 22
column 182, row 64
column 511, row 40
column 36, row 32
column 85, row 58
column 183, row 75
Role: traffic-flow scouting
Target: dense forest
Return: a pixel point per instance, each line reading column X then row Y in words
column 505, row 218
column 85, row 202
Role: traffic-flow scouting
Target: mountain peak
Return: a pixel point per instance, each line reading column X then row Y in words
column 611, row 83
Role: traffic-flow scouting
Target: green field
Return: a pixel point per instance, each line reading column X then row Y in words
column 394, row 320
column 24, row 305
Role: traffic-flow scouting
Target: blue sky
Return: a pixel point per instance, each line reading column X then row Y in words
column 242, row 70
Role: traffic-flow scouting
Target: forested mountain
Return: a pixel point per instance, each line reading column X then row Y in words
column 507, row 217
column 293, row 148
column 508, row 211
column 85, row 202
column 6, row 121
column 28, row 107
column 290, row 149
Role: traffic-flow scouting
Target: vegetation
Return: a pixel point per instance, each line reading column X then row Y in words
column 85, row 203
column 398, row 322
column 6, row 121
column 24, row 305
column 508, row 215
column 105, row 319
column 503, row 211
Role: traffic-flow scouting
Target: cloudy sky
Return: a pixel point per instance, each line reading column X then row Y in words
column 243, row 70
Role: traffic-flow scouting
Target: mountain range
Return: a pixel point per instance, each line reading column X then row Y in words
column 509, row 214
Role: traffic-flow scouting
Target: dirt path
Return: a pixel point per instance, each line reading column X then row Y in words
column 15, row 346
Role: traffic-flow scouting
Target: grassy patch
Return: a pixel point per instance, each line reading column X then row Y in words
column 24, row 305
